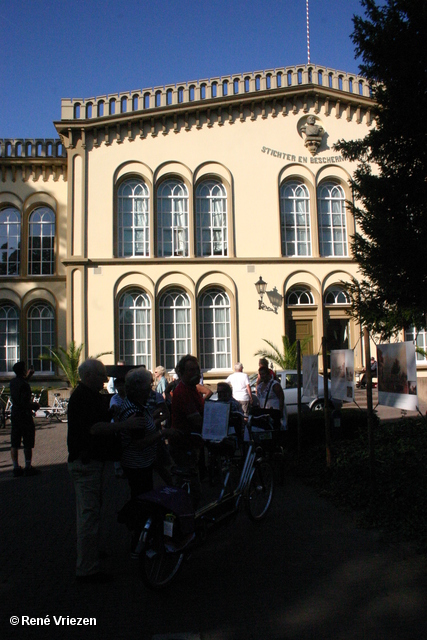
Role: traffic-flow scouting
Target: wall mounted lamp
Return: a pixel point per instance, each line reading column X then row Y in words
column 274, row 296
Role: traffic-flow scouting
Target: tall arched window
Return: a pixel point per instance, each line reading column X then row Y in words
column 214, row 330
column 9, row 337
column 41, row 242
column 172, row 219
column 295, row 219
column 211, row 219
column 135, row 328
column 175, row 327
column 332, row 221
column 133, row 209
column 10, row 241
column 41, row 335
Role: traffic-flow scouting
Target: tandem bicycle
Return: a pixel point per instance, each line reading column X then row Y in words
column 169, row 524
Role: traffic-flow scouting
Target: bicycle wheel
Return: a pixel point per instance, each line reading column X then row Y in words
column 158, row 565
column 260, row 491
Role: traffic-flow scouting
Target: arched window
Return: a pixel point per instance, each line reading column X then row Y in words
column 332, row 221
column 336, row 295
column 135, row 328
column 295, row 219
column 172, row 219
column 9, row 337
column 10, row 241
column 41, row 242
column 133, row 209
column 41, row 335
column 214, row 330
column 211, row 218
column 299, row 296
column 175, row 327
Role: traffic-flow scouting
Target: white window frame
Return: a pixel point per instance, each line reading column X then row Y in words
column 211, row 219
column 419, row 338
column 299, row 297
column 9, row 337
column 172, row 219
column 133, row 219
column 10, row 240
column 175, row 326
column 336, row 296
column 135, row 328
column 41, row 230
column 214, row 332
column 295, row 224
column 332, row 221
column 41, row 336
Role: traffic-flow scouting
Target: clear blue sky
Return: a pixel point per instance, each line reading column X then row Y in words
column 53, row 49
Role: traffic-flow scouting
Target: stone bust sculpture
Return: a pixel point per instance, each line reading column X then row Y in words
column 313, row 134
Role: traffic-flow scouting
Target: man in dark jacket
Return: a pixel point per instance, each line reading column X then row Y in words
column 21, row 416
column 86, row 460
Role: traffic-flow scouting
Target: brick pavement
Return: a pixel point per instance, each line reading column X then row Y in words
column 306, row 572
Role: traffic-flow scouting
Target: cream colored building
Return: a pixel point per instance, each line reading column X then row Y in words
column 144, row 229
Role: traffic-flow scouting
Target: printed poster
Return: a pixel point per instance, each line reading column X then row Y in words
column 397, row 375
column 310, row 376
column 215, row 420
column 342, row 375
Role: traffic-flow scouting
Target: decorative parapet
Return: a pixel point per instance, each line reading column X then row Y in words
column 25, row 159
column 32, row 148
column 245, row 84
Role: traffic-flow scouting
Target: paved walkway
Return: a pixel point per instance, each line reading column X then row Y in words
column 305, row 573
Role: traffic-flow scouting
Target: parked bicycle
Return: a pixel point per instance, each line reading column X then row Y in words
column 169, row 525
column 58, row 410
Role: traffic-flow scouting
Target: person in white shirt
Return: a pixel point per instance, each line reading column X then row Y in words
column 239, row 382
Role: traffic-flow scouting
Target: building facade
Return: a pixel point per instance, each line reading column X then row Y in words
column 143, row 229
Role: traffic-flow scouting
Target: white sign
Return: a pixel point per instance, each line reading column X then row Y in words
column 215, row 420
column 397, row 375
column 310, row 376
column 342, row 375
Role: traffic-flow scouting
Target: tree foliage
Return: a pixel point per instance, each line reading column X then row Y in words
column 285, row 357
column 390, row 183
column 68, row 360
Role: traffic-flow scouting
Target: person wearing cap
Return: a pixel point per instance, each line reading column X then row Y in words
column 160, row 380
column 21, row 416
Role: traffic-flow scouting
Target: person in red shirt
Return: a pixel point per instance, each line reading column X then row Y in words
column 187, row 419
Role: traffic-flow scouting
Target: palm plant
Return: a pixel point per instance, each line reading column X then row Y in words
column 285, row 358
column 68, row 360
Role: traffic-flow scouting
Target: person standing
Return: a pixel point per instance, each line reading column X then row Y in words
column 21, row 416
column 160, row 380
column 87, row 454
column 239, row 382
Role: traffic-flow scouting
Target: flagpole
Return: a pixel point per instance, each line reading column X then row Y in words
column 308, row 33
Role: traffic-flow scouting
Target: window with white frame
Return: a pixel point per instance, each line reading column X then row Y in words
column 9, row 337
column 336, row 295
column 41, row 242
column 172, row 219
column 211, row 219
column 135, row 328
column 175, row 327
column 10, row 241
column 295, row 219
column 419, row 337
column 41, row 336
column 332, row 221
column 214, row 330
column 299, row 296
column 133, row 211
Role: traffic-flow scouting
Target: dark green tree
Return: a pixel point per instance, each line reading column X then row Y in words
column 390, row 182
